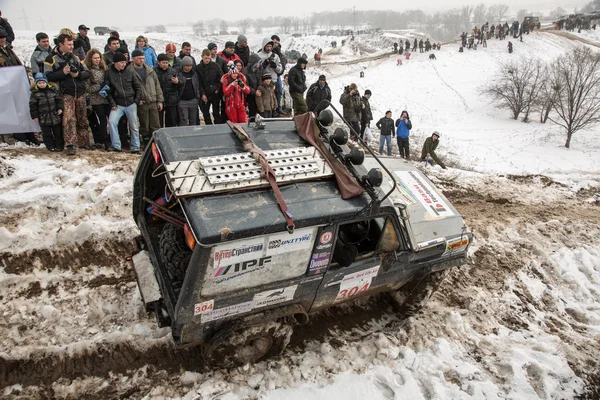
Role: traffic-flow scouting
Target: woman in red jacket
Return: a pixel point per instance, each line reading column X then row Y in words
column 235, row 90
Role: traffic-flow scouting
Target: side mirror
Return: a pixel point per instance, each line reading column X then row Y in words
column 340, row 136
column 325, row 118
column 355, row 156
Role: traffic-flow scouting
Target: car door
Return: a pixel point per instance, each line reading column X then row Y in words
column 360, row 261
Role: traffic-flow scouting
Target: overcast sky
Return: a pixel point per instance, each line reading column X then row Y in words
column 55, row 14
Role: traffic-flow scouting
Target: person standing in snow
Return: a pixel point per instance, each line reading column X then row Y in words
column 510, row 47
column 113, row 44
column 386, row 127
column 46, row 107
column 253, row 73
column 98, row 118
column 65, row 68
column 266, row 104
column 228, row 55
column 40, row 53
column 186, row 51
column 242, row 49
column 152, row 100
column 271, row 61
column 414, row 46
column 350, row 101
column 150, row 57
column 169, row 84
column 297, row 81
column 428, row 152
column 174, row 62
column 235, row 90
column 366, row 116
column 189, row 93
column 209, row 77
column 403, row 127
column 318, row 92
column 279, row 83
column 421, row 46
column 83, row 37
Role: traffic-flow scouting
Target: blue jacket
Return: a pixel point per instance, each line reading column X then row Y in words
column 150, row 54
column 403, row 128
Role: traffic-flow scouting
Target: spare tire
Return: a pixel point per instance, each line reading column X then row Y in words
column 174, row 251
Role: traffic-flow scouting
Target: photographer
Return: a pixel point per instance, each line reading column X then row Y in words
column 403, row 127
column 62, row 67
column 350, row 101
column 169, row 84
column 235, row 90
column 270, row 61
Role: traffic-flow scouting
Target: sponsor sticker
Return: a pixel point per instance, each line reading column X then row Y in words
column 326, row 237
column 425, row 194
column 275, row 296
column 234, row 252
column 457, row 244
column 226, row 312
column 204, row 307
column 284, row 242
column 356, row 283
column 226, row 273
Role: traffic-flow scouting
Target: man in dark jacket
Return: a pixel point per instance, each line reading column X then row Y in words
column 41, row 52
column 228, row 54
column 169, row 83
column 83, row 36
column 428, row 152
column 8, row 58
column 121, row 42
column 297, row 81
column 124, row 95
column 350, row 101
column 253, row 73
column 186, row 50
column 386, row 128
column 113, row 45
column 318, row 92
column 242, row 49
column 10, row 35
column 209, row 78
column 366, row 116
column 62, row 67
column 189, row 93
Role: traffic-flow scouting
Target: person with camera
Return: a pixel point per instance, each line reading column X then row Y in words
column 351, row 105
column 189, row 93
column 297, row 82
column 124, row 94
column 270, row 61
column 209, row 78
column 62, row 67
column 403, row 127
column 169, row 84
column 235, row 90
column 366, row 116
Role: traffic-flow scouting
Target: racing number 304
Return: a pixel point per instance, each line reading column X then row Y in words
column 353, row 291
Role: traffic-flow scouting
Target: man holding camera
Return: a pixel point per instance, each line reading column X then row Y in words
column 270, row 61
column 62, row 67
column 169, row 84
column 351, row 104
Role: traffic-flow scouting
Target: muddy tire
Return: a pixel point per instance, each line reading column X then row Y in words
column 174, row 251
column 411, row 297
column 254, row 344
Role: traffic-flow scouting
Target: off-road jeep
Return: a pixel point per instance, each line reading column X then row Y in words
column 102, row 30
column 531, row 22
column 247, row 230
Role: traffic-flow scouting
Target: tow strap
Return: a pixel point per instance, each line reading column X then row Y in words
column 266, row 171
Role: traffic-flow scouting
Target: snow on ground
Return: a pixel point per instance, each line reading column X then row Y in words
column 520, row 321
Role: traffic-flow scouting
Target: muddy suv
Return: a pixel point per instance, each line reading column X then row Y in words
column 102, row 30
column 248, row 230
column 531, row 23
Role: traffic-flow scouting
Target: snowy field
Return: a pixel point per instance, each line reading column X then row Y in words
column 520, row 321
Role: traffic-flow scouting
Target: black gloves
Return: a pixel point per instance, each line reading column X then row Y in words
column 265, row 63
column 272, row 64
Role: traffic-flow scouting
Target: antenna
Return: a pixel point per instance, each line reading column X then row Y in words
column 24, row 18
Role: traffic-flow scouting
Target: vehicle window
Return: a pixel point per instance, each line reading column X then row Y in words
column 361, row 239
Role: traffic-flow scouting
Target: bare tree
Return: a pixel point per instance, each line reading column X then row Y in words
column 466, row 14
column 211, row 28
column 223, row 26
column 497, row 12
column 557, row 13
column 479, row 13
column 521, row 14
column 199, row 28
column 286, row 24
column 258, row 28
column 547, row 97
column 244, row 25
column 576, row 79
column 516, row 86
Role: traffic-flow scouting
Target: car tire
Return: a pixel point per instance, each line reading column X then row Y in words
column 411, row 297
column 229, row 348
column 174, row 251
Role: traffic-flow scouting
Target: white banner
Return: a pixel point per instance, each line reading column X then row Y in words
column 14, row 113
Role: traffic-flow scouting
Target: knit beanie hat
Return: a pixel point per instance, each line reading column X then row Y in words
column 229, row 44
column 242, row 39
column 187, row 60
column 119, row 57
column 171, row 47
column 40, row 77
column 322, row 78
column 266, row 76
column 231, row 67
column 212, row 46
column 137, row 53
column 367, row 92
column 163, row 57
